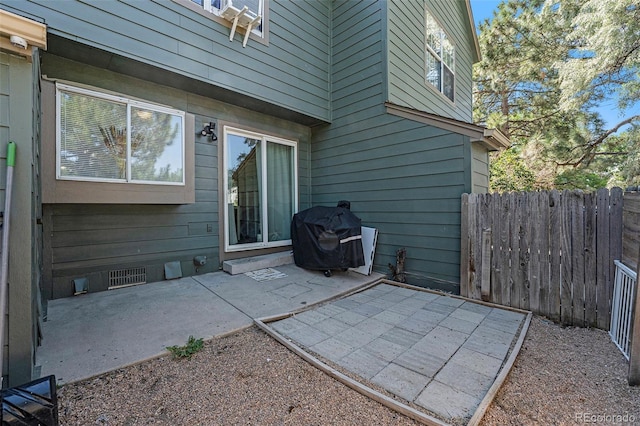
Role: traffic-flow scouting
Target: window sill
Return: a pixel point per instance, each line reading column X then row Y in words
column 79, row 192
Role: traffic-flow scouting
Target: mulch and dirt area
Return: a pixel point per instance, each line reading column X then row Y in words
column 562, row 376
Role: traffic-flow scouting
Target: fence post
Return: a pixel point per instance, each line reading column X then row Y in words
column 464, row 246
column 634, row 350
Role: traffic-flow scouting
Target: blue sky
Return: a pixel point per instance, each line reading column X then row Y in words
column 483, row 9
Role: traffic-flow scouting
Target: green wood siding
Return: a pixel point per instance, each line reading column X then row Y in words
column 291, row 71
column 406, row 56
column 403, row 177
column 16, row 124
column 91, row 240
column 480, row 168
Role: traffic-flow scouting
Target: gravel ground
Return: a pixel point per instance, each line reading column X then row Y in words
column 562, row 376
column 565, row 376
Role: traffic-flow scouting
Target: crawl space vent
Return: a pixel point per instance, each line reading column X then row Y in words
column 126, row 277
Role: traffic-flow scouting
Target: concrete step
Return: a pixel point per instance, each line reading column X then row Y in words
column 248, row 264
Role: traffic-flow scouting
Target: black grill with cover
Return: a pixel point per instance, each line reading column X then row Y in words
column 326, row 238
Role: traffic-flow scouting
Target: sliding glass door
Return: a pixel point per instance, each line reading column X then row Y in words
column 261, row 189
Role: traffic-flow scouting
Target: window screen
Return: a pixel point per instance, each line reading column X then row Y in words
column 108, row 138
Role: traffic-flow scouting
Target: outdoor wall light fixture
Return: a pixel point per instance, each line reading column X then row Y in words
column 18, row 41
column 209, row 131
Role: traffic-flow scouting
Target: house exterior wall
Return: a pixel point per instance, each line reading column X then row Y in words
column 402, row 176
column 322, row 78
column 16, row 124
column 406, row 51
column 89, row 240
column 480, row 169
column 291, row 71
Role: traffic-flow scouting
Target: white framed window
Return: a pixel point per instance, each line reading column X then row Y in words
column 261, row 189
column 440, row 58
column 103, row 137
column 217, row 6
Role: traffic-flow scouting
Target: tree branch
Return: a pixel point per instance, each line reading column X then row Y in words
column 611, row 131
column 588, row 154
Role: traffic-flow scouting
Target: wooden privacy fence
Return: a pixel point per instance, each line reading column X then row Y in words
column 548, row 252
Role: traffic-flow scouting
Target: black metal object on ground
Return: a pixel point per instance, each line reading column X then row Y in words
column 326, row 238
column 31, row 404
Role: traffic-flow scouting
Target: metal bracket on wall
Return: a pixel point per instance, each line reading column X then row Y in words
column 242, row 17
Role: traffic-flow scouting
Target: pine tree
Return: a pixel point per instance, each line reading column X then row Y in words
column 545, row 67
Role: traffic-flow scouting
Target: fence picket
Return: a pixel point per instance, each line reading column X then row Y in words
column 549, row 252
column 534, row 232
column 505, row 251
column 524, row 257
column 616, row 204
column 477, row 244
column 577, row 253
column 603, row 259
column 543, row 255
column 566, row 260
column 514, row 229
column 631, row 230
column 590, row 264
column 496, row 244
column 555, row 267
column 484, row 239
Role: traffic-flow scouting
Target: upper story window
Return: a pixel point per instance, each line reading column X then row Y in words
column 256, row 7
column 107, row 138
column 440, row 58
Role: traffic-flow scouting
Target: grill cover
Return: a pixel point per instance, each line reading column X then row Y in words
column 326, row 238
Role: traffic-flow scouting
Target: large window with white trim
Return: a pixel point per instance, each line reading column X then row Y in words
column 440, row 58
column 261, row 189
column 108, row 138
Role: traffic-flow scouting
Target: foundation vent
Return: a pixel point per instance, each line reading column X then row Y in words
column 127, row 277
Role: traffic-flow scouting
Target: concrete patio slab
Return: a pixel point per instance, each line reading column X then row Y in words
column 442, row 353
column 97, row 332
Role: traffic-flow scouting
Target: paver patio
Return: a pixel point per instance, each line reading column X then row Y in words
column 438, row 352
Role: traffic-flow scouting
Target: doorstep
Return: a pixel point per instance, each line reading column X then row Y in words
column 254, row 263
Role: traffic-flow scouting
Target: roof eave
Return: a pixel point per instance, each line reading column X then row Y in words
column 495, row 140
column 477, row 56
